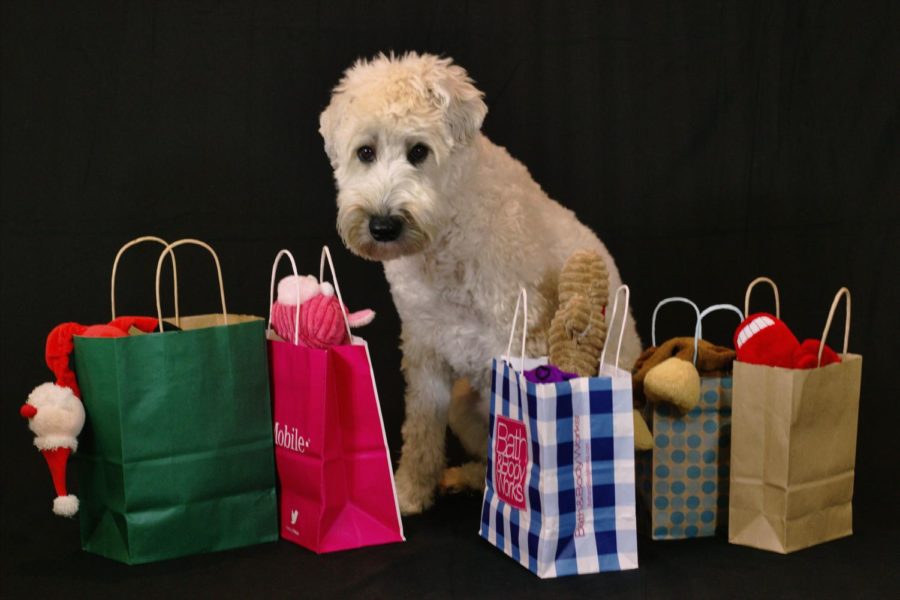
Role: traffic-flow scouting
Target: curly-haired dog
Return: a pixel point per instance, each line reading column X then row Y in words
column 460, row 226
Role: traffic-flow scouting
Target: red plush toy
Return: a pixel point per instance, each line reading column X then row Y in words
column 55, row 413
column 764, row 339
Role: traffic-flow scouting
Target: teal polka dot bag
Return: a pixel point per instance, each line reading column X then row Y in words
column 683, row 480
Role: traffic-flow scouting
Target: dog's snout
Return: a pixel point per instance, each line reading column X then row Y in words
column 385, row 229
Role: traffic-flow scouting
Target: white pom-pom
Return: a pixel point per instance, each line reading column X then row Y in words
column 327, row 289
column 65, row 506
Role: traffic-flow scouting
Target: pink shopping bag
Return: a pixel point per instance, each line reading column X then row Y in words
column 336, row 484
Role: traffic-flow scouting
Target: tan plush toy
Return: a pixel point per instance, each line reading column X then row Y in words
column 578, row 329
column 667, row 373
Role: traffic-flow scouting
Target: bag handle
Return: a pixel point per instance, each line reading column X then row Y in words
column 698, row 327
column 837, row 298
column 169, row 250
column 774, row 289
column 521, row 300
column 290, row 256
column 612, row 318
column 326, row 255
column 711, row 309
column 134, row 242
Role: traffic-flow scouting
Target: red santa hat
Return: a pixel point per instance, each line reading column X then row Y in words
column 55, row 413
column 54, row 410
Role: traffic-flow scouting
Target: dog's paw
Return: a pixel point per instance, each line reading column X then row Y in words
column 452, row 481
column 412, row 495
column 468, row 477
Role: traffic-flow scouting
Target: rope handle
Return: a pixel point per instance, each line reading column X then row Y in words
column 774, row 289
column 290, row 256
column 134, row 242
column 837, row 298
column 521, row 300
column 698, row 327
column 169, row 250
column 612, row 318
column 711, row 309
column 326, row 255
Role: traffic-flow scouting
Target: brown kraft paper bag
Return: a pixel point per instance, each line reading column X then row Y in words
column 793, row 449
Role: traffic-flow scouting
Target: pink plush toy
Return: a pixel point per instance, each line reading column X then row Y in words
column 321, row 321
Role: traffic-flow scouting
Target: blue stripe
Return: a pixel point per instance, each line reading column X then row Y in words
column 563, row 401
column 486, row 513
column 501, row 525
column 514, row 532
column 603, row 468
column 534, row 481
column 565, row 549
column 566, row 566
column 533, row 550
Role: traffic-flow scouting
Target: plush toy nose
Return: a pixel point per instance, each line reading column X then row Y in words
column 385, row 229
column 28, row 411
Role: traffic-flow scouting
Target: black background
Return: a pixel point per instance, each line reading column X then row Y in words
column 706, row 143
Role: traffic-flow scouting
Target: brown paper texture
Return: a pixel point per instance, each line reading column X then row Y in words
column 793, row 451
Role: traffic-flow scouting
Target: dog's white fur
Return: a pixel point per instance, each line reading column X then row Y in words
column 476, row 229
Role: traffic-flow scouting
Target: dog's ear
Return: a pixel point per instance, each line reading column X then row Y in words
column 462, row 103
column 328, row 123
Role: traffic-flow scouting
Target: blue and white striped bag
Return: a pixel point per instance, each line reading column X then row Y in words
column 560, row 491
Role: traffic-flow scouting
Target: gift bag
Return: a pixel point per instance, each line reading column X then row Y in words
column 176, row 456
column 337, row 486
column 793, row 448
column 559, row 488
column 683, row 480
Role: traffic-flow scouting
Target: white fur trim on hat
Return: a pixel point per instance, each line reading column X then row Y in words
column 327, row 288
column 65, row 506
column 51, row 442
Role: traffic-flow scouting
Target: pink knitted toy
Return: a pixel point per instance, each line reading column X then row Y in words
column 321, row 321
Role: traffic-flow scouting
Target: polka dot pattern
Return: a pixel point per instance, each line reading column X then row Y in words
column 689, row 465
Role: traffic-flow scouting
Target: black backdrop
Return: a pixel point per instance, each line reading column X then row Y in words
column 706, row 143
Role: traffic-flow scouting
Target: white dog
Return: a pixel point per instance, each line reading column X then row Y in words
column 461, row 226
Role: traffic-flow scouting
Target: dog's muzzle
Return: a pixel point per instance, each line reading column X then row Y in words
column 385, row 229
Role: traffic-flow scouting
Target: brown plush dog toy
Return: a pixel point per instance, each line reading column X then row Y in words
column 712, row 361
column 667, row 374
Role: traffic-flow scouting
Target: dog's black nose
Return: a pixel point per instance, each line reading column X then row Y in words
column 385, row 229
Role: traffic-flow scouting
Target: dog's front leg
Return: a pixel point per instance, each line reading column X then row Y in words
column 428, row 385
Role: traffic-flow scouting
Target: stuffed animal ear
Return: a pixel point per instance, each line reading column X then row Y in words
column 462, row 103
column 297, row 289
column 674, row 381
column 361, row 317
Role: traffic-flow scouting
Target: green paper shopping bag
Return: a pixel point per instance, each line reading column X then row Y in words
column 176, row 456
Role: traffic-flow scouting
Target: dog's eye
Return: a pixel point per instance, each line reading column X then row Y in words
column 417, row 154
column 366, row 154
